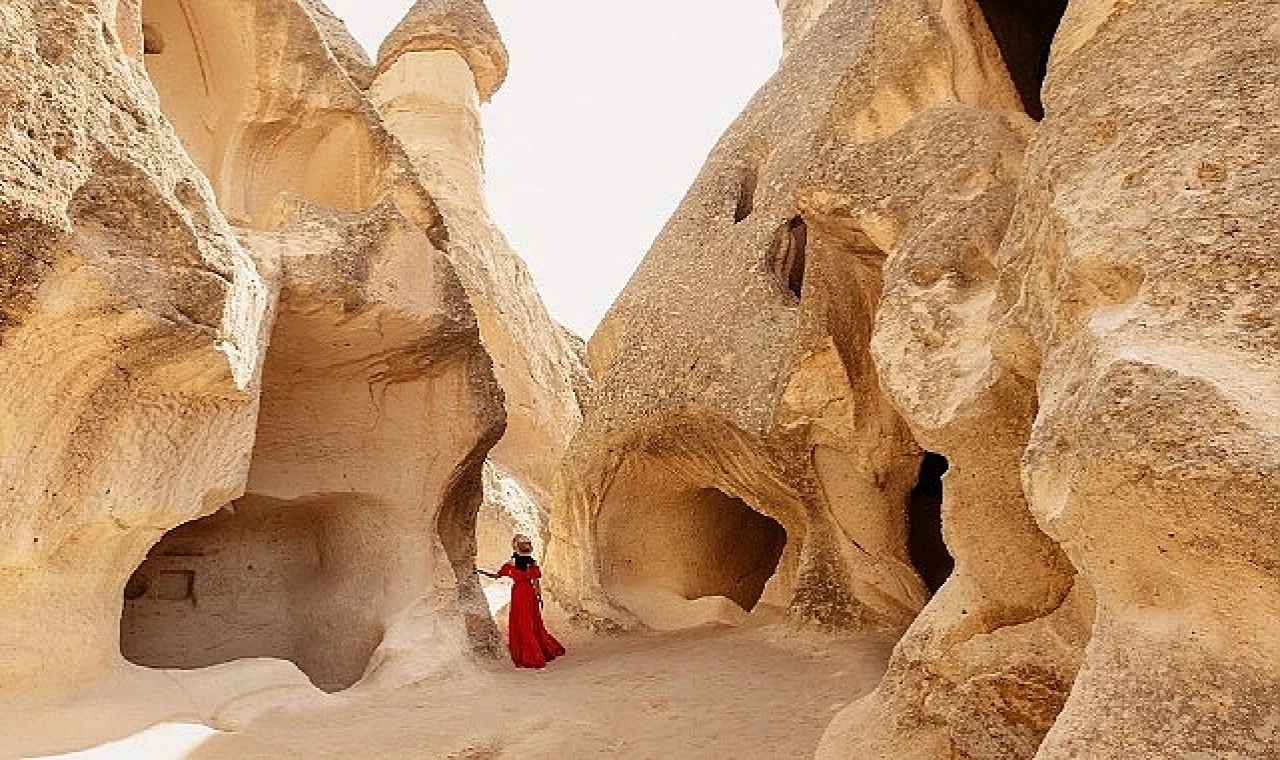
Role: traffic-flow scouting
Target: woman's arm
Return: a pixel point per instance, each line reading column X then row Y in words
column 488, row 574
column 537, row 587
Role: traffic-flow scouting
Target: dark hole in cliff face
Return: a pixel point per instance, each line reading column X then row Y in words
column 746, row 195
column 787, row 259
column 924, row 519
column 696, row 543
column 261, row 579
column 152, row 40
column 1024, row 30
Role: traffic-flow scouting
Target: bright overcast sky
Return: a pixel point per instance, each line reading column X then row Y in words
column 610, row 110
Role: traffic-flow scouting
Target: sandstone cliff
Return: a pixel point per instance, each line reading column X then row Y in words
column 960, row 231
column 434, row 70
column 247, row 401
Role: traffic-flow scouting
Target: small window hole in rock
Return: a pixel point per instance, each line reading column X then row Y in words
column 746, row 194
column 929, row 552
column 787, row 258
column 152, row 40
column 1024, row 30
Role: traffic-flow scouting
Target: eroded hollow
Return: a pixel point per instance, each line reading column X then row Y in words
column 261, row 578
column 787, row 257
column 929, row 552
column 1024, row 30
column 696, row 543
column 208, row 79
column 746, row 194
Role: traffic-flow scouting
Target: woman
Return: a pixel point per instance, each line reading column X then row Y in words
column 530, row 644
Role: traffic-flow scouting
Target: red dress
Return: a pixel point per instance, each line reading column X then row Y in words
column 531, row 646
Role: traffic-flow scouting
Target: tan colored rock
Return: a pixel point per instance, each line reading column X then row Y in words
column 735, row 376
column 1142, row 272
column 463, row 26
column 378, row 403
column 132, row 331
column 1082, row 322
column 350, row 527
column 344, row 47
column 350, row 550
column 428, row 93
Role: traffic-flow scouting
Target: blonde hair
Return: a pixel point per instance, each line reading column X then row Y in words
column 519, row 540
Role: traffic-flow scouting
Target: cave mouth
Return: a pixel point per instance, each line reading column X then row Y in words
column 258, row 578
column 697, row 542
column 787, row 256
column 1024, row 31
column 929, row 554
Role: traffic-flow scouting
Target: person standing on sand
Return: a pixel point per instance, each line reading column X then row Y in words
column 530, row 644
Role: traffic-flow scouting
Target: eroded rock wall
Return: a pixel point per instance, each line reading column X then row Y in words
column 132, row 332
column 235, row 346
column 1032, row 356
column 434, row 70
column 739, row 356
column 1143, row 258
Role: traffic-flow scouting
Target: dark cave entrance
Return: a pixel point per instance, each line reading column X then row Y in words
column 1024, row 30
column 696, row 542
column 260, row 578
column 929, row 552
column 746, row 195
column 787, row 259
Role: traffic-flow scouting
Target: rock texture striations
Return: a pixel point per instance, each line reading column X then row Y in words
column 247, row 399
column 991, row 233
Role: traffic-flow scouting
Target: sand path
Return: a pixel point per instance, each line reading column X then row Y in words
column 758, row 692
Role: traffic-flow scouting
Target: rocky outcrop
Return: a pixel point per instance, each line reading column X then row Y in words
column 239, row 344
column 890, row 253
column 1142, row 280
column 434, row 70
column 739, row 423
column 1026, row 353
column 132, row 332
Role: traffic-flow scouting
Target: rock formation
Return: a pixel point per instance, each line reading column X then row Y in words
column 734, row 373
column 900, row 247
column 434, row 69
column 132, row 337
column 241, row 339
column 966, row 333
column 1143, row 293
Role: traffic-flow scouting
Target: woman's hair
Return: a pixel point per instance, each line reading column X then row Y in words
column 522, row 560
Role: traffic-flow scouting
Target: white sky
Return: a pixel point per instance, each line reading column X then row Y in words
column 610, row 109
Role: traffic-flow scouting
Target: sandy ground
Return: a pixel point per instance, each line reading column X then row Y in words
column 758, row 691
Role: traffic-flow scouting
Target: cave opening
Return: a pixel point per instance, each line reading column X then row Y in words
column 258, row 578
column 746, row 195
column 787, row 259
column 1024, row 31
column 929, row 554
column 698, row 542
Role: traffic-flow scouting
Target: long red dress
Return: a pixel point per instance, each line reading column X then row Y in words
column 531, row 646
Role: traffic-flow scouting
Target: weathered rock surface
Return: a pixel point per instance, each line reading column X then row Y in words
column 1029, row 348
column 1143, row 280
column 1076, row 313
column 239, row 343
column 434, row 69
column 132, row 332
column 737, row 409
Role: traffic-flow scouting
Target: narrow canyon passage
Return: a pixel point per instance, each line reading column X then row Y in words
column 709, row 693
